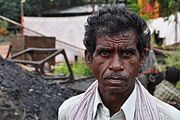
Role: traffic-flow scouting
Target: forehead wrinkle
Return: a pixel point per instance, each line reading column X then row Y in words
column 119, row 44
column 120, row 41
column 123, row 43
column 116, row 41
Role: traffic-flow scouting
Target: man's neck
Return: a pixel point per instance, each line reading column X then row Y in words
column 114, row 101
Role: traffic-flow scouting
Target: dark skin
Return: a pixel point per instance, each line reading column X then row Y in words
column 115, row 64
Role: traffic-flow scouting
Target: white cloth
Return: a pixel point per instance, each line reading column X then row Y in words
column 126, row 112
column 146, row 108
column 165, row 111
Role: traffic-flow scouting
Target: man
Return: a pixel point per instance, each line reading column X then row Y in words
column 167, row 91
column 114, row 40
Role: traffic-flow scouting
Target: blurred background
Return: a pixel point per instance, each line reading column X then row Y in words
column 60, row 24
column 43, row 40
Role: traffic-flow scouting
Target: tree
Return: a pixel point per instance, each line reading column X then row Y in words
column 168, row 7
column 3, row 29
column 133, row 5
column 10, row 9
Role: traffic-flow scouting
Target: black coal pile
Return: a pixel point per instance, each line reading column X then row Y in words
column 25, row 96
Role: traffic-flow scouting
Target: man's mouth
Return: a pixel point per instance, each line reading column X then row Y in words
column 117, row 77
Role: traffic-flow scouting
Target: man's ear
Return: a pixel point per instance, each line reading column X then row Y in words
column 88, row 58
column 142, row 58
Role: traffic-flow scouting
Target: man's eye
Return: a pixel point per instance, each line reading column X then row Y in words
column 127, row 54
column 105, row 53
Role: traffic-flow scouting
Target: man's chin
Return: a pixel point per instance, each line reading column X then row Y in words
column 116, row 89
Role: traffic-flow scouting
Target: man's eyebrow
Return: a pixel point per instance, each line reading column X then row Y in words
column 129, row 49
column 103, row 48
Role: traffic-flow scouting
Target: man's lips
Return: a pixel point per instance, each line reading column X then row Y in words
column 115, row 81
column 115, row 78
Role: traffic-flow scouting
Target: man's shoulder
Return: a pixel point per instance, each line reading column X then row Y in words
column 67, row 106
column 167, row 112
column 69, row 103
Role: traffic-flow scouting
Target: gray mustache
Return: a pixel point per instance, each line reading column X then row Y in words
column 116, row 76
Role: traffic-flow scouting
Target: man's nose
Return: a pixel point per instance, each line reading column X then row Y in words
column 116, row 64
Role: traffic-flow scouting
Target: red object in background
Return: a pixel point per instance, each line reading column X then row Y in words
column 149, row 8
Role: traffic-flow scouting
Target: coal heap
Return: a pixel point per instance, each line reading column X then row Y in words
column 25, row 96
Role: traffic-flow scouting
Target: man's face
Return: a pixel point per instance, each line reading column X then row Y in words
column 116, row 62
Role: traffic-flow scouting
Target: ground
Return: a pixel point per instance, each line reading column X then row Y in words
column 25, row 96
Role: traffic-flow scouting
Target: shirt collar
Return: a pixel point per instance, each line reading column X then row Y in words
column 128, row 107
column 97, row 101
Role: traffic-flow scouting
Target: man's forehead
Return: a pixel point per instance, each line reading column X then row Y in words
column 128, row 38
column 124, row 32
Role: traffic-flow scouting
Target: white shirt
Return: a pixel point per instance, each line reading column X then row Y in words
column 100, row 112
column 127, row 111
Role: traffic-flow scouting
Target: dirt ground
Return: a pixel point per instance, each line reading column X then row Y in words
column 25, row 96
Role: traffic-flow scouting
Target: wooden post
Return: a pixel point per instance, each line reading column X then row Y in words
column 22, row 15
column 93, row 6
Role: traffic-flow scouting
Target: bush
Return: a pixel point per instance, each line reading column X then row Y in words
column 79, row 69
column 3, row 24
column 3, row 28
column 172, row 59
column 178, row 85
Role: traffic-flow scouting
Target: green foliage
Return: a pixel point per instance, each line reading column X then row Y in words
column 178, row 84
column 173, row 59
column 168, row 7
column 1, row 39
column 61, row 69
column 79, row 69
column 10, row 9
column 134, row 5
column 150, row 1
column 37, row 7
column 3, row 30
column 3, row 24
column 33, row 7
